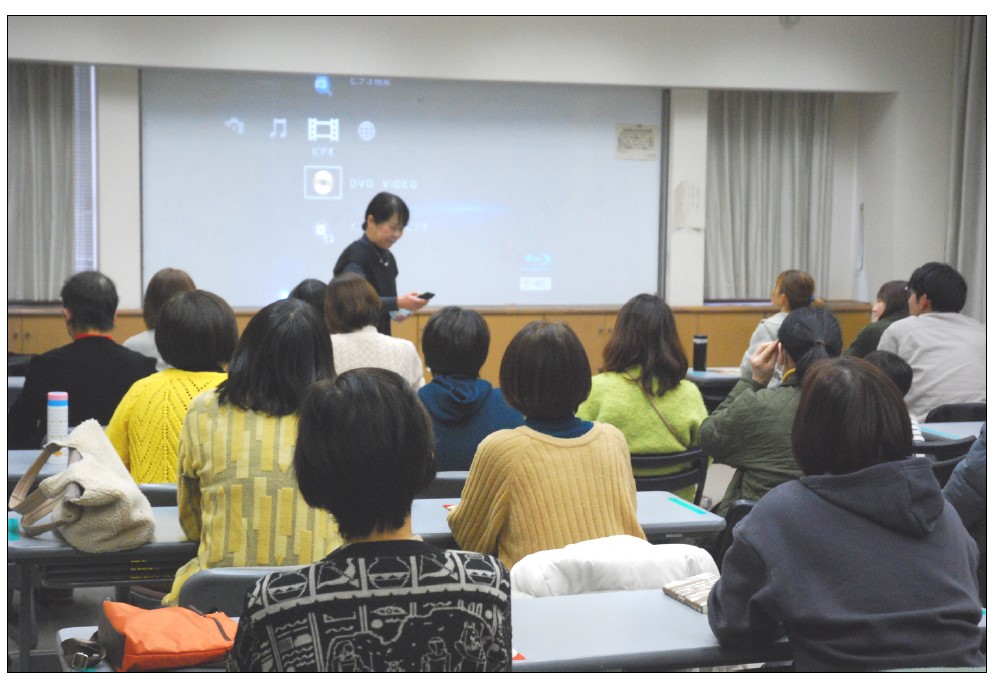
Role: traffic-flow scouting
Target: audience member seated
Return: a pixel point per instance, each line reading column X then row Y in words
column 750, row 430
column 642, row 390
column 385, row 601
column 93, row 369
column 891, row 306
column 967, row 491
column 464, row 408
column 861, row 563
column 313, row 291
column 237, row 493
column 352, row 310
column 163, row 285
column 947, row 351
column 196, row 335
column 794, row 289
column 556, row 480
column 900, row 375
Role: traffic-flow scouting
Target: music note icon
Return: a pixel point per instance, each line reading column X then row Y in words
column 279, row 128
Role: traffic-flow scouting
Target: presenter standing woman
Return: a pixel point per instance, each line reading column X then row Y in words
column 385, row 220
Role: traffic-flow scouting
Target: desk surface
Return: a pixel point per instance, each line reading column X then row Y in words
column 660, row 514
column 724, row 376
column 951, row 430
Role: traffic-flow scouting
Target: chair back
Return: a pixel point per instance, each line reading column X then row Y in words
column 958, row 412
column 944, row 467
column 737, row 511
column 160, row 494
column 943, row 449
column 223, row 589
column 695, row 464
column 446, row 484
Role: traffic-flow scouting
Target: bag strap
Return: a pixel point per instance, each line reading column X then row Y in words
column 81, row 654
column 664, row 421
column 35, row 505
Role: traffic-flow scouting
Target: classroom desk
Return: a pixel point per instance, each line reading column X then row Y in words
column 951, row 430
column 663, row 516
column 714, row 384
column 47, row 558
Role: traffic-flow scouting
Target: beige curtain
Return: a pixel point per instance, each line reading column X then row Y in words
column 40, row 206
column 768, row 189
column 967, row 229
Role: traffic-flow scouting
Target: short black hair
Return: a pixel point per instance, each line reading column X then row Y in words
column 384, row 206
column 894, row 366
column 809, row 335
column 545, row 373
column 850, row 417
column 945, row 287
column 456, row 341
column 312, row 291
column 365, row 449
column 197, row 331
column 163, row 285
column 92, row 300
column 283, row 350
column 350, row 304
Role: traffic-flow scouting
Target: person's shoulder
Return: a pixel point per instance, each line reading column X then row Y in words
column 609, row 432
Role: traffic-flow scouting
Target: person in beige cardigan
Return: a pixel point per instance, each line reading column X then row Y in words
column 558, row 479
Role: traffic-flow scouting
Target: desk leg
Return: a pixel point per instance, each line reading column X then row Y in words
column 25, row 617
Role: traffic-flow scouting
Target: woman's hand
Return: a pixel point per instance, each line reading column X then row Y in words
column 764, row 361
column 411, row 301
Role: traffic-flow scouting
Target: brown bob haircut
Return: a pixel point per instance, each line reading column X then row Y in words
column 545, row 372
column 163, row 285
column 850, row 417
column 350, row 304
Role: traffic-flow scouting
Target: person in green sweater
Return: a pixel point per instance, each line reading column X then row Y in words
column 642, row 389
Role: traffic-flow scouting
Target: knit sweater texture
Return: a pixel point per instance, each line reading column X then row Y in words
column 146, row 425
column 366, row 347
column 616, row 398
column 528, row 492
column 237, row 494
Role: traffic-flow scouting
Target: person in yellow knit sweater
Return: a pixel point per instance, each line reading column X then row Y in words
column 558, row 479
column 196, row 335
column 237, row 493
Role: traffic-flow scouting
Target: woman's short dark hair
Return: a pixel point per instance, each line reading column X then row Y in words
column 365, row 449
column 384, row 206
column 163, row 285
column 313, row 292
column 799, row 289
column 850, row 417
column 894, row 366
column 809, row 335
column 92, row 300
column 283, row 350
column 350, row 304
column 894, row 294
column 197, row 331
column 545, row 372
column 945, row 287
column 456, row 341
column 645, row 334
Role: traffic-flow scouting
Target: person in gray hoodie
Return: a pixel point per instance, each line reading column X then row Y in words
column 464, row 408
column 861, row 562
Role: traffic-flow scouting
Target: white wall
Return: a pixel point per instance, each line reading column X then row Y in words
column 903, row 134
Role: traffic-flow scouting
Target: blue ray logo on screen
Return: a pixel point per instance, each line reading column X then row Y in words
column 322, row 84
column 536, row 262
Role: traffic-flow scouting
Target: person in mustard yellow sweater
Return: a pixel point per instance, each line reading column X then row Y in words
column 237, row 491
column 196, row 335
column 558, row 479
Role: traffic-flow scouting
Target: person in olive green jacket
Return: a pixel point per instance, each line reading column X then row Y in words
column 750, row 430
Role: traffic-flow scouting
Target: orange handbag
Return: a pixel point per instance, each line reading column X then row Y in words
column 171, row 637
